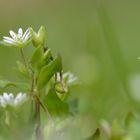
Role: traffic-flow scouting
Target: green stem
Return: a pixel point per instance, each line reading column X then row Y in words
column 23, row 57
column 7, row 118
column 45, row 109
column 38, row 124
column 34, row 93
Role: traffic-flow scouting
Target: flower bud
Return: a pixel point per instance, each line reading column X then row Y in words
column 61, row 87
column 38, row 38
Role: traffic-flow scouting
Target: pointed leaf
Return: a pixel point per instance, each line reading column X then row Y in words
column 22, row 71
column 4, row 83
column 19, row 85
column 48, row 71
column 55, row 106
column 37, row 58
column 46, row 57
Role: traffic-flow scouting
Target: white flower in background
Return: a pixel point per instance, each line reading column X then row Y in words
column 17, row 40
column 64, row 81
column 9, row 99
column 70, row 77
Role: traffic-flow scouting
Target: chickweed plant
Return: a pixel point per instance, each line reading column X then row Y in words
column 40, row 108
column 43, row 88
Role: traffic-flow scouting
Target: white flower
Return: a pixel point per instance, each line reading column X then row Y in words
column 9, row 99
column 71, row 78
column 68, row 77
column 17, row 40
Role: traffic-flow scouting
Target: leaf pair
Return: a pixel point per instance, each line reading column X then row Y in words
column 43, row 66
column 48, row 71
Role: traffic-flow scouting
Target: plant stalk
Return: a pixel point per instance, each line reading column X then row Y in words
column 35, row 103
column 38, row 124
column 23, row 57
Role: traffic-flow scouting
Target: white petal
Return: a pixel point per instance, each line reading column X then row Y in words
column 6, row 97
column 20, row 32
column 8, row 38
column 11, row 96
column 72, row 80
column 13, row 34
column 26, row 32
column 27, row 36
column 24, row 96
column 3, row 103
column 58, row 77
column 9, row 42
column 18, row 96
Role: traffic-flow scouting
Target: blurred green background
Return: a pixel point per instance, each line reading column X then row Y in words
column 99, row 42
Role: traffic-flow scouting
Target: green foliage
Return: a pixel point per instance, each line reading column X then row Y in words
column 36, row 59
column 102, row 56
column 48, row 71
column 95, row 136
column 46, row 57
column 55, row 106
column 20, row 85
column 41, row 72
column 22, row 71
column 38, row 38
column 4, row 83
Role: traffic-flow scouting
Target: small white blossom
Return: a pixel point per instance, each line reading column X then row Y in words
column 71, row 78
column 17, row 40
column 9, row 99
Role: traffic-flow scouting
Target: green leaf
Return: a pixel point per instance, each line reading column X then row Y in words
column 95, row 136
column 55, row 106
column 37, row 58
column 61, row 90
column 61, row 87
column 19, row 85
column 46, row 57
column 22, row 71
column 39, row 37
column 48, row 71
column 4, row 83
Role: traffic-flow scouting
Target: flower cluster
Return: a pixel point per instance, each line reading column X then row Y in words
column 9, row 99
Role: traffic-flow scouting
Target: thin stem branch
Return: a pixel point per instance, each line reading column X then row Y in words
column 23, row 57
column 35, row 102
column 45, row 109
column 38, row 123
